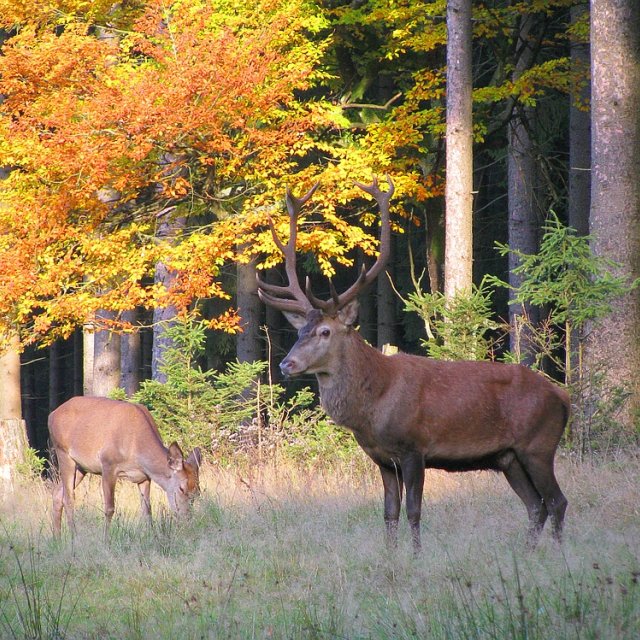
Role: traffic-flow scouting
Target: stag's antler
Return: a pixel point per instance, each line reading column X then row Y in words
column 291, row 297
column 366, row 277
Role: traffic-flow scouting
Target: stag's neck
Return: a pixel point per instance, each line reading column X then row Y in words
column 348, row 390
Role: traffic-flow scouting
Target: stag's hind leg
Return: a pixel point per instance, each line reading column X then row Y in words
column 413, row 476
column 539, row 467
column 521, row 483
column 392, row 481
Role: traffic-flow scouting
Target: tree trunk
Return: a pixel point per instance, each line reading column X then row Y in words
column 386, row 323
column 169, row 228
column 459, row 141
column 615, row 188
column 131, row 355
column 434, row 243
column 525, row 214
column 106, row 363
column 367, row 316
column 55, row 375
column 579, row 136
column 78, row 361
column 13, row 439
column 277, row 332
column 248, row 344
column 88, row 357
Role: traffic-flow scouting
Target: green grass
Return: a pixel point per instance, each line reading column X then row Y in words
column 291, row 553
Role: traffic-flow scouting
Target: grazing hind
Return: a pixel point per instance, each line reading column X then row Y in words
column 116, row 439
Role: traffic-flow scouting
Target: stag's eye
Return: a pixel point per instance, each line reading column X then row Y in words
column 325, row 332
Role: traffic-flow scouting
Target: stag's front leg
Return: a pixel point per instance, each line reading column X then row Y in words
column 392, row 481
column 413, row 476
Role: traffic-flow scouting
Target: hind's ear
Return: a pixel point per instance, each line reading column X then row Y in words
column 175, row 457
column 349, row 313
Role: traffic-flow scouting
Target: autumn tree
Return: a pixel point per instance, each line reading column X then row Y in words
column 212, row 88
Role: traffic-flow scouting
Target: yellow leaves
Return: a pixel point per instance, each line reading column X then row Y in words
column 229, row 322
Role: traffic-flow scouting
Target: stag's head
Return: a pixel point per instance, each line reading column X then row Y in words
column 321, row 323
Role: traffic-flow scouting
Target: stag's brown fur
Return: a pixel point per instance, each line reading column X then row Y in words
column 116, row 439
column 409, row 413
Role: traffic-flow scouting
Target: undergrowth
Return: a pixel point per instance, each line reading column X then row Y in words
column 292, row 551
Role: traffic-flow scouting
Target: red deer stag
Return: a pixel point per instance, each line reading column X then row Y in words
column 409, row 412
column 116, row 439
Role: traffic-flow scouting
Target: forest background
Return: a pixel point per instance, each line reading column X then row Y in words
column 146, row 146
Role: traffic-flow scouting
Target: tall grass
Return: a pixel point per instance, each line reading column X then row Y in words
column 286, row 552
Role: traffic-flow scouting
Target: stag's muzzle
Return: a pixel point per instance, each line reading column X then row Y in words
column 289, row 367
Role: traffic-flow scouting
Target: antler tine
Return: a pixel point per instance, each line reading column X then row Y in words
column 291, row 297
column 365, row 278
column 325, row 305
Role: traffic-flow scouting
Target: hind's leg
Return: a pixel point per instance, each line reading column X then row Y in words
column 521, row 483
column 145, row 499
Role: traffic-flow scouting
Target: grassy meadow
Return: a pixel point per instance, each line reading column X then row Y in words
column 290, row 552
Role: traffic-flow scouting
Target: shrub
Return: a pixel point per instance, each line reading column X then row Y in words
column 234, row 412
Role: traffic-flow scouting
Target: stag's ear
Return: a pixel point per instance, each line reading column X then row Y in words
column 175, row 457
column 349, row 313
column 298, row 320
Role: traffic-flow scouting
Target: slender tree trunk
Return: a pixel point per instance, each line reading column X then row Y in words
column 248, row 344
column 78, row 362
column 386, row 323
column 525, row 214
column 458, row 270
column 277, row 330
column 13, row 439
column 615, row 188
column 29, row 400
column 434, row 244
column 106, row 362
column 88, row 357
column 579, row 136
column 169, row 228
column 55, row 375
column 367, row 317
column 131, row 355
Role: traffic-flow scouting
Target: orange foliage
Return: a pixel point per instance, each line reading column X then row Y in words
column 103, row 132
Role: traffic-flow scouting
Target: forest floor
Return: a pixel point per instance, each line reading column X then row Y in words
column 290, row 552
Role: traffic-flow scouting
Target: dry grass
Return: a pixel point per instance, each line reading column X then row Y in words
column 288, row 553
